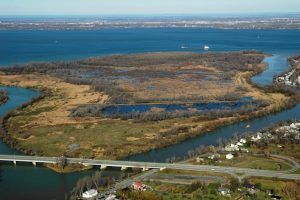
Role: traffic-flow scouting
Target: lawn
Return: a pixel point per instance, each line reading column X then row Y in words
column 247, row 161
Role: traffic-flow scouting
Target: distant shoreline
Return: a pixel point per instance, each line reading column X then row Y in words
column 276, row 21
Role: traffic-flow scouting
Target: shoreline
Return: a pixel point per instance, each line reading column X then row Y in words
column 207, row 126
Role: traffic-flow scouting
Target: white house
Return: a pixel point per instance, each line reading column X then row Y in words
column 297, row 124
column 224, row 191
column 231, row 147
column 257, row 137
column 293, row 126
column 89, row 194
column 229, row 156
column 242, row 140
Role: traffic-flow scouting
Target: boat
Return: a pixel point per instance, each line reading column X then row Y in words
column 206, row 48
column 184, row 47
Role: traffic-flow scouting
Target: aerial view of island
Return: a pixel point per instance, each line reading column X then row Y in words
column 143, row 100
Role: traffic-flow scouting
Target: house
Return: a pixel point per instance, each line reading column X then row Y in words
column 224, row 191
column 138, row 186
column 229, row 156
column 231, row 147
column 297, row 124
column 293, row 126
column 251, row 189
column 89, row 194
column 257, row 137
column 243, row 141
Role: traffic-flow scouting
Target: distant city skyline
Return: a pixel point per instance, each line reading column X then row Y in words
column 143, row 7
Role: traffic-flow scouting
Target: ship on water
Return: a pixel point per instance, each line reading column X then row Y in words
column 206, row 48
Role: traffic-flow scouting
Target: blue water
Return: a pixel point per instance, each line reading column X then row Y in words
column 17, row 97
column 26, row 182
column 27, row 46
column 142, row 108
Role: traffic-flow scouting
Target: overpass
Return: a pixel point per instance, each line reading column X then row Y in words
column 151, row 165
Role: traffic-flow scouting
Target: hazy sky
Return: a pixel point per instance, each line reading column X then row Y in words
column 104, row 7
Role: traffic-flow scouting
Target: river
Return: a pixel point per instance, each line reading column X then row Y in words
column 27, row 182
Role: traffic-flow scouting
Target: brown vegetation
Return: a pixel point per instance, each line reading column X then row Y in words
column 3, row 97
column 46, row 127
column 154, row 77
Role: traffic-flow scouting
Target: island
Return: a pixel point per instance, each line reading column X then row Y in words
column 116, row 106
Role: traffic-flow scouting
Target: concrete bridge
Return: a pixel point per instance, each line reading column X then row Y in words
column 86, row 162
column 244, row 172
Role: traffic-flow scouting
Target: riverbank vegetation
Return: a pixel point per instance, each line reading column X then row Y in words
column 49, row 127
column 3, row 97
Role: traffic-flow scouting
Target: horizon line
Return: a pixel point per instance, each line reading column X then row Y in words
column 154, row 14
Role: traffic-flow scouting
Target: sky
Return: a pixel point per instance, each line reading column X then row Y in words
column 145, row 7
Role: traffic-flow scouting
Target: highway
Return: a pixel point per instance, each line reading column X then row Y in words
column 160, row 166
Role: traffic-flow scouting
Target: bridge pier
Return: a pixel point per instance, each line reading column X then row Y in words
column 145, row 169
column 15, row 162
column 34, row 163
column 103, row 167
column 123, row 168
